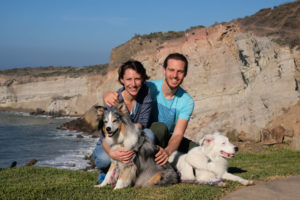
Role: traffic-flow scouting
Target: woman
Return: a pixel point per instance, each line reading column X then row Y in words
column 137, row 98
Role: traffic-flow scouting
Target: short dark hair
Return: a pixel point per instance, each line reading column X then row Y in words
column 134, row 65
column 177, row 56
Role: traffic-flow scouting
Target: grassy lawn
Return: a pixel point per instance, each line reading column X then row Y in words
column 51, row 183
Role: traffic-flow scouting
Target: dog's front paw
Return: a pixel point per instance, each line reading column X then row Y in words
column 222, row 185
column 97, row 186
column 100, row 185
column 117, row 187
column 120, row 184
column 248, row 183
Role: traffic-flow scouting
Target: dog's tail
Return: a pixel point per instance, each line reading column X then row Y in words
column 166, row 177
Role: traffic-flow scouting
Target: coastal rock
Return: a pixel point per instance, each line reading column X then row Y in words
column 13, row 164
column 88, row 123
column 275, row 136
column 32, row 162
column 290, row 121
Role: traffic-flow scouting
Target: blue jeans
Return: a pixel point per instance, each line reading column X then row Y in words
column 102, row 159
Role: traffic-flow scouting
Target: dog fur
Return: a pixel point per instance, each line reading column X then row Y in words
column 208, row 160
column 142, row 171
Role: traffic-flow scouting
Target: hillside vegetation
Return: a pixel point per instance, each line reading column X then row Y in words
column 281, row 22
column 56, row 71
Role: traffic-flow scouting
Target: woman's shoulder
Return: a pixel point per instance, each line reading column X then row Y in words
column 144, row 94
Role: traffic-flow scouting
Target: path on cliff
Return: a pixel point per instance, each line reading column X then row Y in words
column 283, row 189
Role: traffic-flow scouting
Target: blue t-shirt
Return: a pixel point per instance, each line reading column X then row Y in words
column 169, row 111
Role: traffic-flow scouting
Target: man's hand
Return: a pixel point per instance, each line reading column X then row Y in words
column 122, row 155
column 161, row 157
column 111, row 98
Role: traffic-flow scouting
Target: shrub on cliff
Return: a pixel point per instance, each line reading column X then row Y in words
column 161, row 36
column 56, row 71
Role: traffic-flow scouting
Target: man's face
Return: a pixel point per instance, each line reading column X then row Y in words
column 174, row 73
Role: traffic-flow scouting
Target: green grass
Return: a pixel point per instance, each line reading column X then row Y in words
column 51, row 183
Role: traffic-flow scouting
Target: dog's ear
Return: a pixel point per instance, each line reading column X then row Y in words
column 99, row 111
column 122, row 108
column 207, row 139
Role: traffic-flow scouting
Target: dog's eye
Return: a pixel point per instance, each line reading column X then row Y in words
column 114, row 121
column 105, row 122
column 224, row 143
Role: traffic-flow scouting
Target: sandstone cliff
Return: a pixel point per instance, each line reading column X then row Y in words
column 65, row 90
column 241, row 75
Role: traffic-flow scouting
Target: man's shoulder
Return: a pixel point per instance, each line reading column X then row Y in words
column 184, row 95
column 185, row 104
column 154, row 82
column 154, row 85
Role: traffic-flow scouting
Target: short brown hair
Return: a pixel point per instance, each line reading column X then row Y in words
column 134, row 65
column 177, row 56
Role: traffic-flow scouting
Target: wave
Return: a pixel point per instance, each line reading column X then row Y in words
column 26, row 114
column 72, row 159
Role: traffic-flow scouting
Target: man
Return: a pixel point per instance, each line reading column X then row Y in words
column 172, row 107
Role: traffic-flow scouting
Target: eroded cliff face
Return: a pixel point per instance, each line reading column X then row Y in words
column 70, row 96
column 240, row 81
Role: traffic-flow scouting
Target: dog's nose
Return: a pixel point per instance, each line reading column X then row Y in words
column 236, row 149
column 108, row 129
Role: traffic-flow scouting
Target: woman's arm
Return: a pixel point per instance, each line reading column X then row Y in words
column 119, row 154
column 145, row 109
column 111, row 98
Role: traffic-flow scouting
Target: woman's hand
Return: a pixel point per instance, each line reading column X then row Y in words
column 122, row 155
column 111, row 98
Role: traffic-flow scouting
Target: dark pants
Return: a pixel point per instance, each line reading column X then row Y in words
column 162, row 137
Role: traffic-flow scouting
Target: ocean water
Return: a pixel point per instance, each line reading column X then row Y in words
column 24, row 137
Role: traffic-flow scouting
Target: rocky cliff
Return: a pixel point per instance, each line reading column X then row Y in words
column 242, row 75
column 53, row 90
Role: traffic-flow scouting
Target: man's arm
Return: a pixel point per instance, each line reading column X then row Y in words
column 163, row 155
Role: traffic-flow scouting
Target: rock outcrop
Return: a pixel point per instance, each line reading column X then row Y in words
column 241, row 79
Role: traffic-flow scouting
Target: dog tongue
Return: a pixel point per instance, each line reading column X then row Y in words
column 228, row 155
column 110, row 134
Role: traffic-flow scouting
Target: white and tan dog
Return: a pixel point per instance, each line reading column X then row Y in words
column 208, row 161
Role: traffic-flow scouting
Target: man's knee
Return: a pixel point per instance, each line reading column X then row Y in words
column 186, row 145
column 161, row 133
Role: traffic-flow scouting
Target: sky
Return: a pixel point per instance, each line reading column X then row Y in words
column 79, row 33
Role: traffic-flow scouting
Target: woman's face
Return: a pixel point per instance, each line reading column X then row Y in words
column 132, row 82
